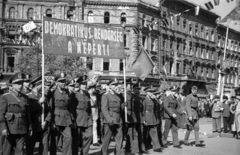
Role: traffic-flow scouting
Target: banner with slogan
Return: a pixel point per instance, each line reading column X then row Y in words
column 64, row 37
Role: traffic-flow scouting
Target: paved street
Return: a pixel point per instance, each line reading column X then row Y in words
column 214, row 146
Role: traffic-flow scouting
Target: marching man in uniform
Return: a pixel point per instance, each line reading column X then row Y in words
column 111, row 110
column 172, row 110
column 193, row 115
column 15, row 117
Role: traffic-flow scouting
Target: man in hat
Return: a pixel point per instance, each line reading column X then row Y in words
column 172, row 110
column 150, row 119
column 216, row 114
column 15, row 117
column 193, row 116
column 111, row 110
column 63, row 118
column 83, row 116
column 40, row 129
column 134, row 117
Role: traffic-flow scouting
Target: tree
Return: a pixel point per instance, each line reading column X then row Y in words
column 55, row 64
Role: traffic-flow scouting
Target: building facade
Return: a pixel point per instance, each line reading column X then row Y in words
column 184, row 45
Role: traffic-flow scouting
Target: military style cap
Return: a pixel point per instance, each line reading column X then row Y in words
column 71, row 82
column 61, row 78
column 137, row 85
column 16, row 78
column 28, row 78
column 82, row 80
column 216, row 97
column 174, row 88
column 225, row 97
column 194, row 87
column 149, row 89
column 113, row 82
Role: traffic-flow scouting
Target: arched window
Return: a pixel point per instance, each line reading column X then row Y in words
column 106, row 17
column 30, row 14
column 90, row 17
column 12, row 13
column 123, row 17
column 70, row 15
column 49, row 13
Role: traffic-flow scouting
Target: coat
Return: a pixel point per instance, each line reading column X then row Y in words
column 226, row 110
column 134, row 108
column 192, row 106
column 36, row 112
column 14, row 113
column 111, row 107
column 83, row 109
column 62, row 110
column 171, row 106
column 216, row 112
column 150, row 111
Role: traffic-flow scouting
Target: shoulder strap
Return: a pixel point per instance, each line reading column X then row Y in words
column 15, row 96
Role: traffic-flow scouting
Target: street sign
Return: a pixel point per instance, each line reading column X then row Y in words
column 63, row 37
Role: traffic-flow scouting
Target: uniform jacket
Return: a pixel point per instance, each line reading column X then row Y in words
column 150, row 111
column 62, row 109
column 135, row 108
column 192, row 106
column 36, row 112
column 111, row 108
column 14, row 113
column 83, row 109
column 171, row 106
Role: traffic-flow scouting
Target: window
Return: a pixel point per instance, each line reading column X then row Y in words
column 190, row 27
column 90, row 17
column 121, row 65
column 184, row 67
column 30, row 14
column 202, row 71
column 202, row 32
column 10, row 62
column 49, row 13
column 12, row 13
column 144, row 42
column 106, row 64
column 106, row 17
column 123, row 18
column 196, row 29
column 89, row 63
column 70, row 15
column 153, row 44
column 125, row 40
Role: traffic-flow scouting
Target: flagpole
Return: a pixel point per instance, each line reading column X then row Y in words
column 125, row 88
column 224, row 65
column 42, row 74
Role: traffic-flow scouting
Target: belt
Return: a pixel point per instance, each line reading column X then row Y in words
column 17, row 114
column 57, row 108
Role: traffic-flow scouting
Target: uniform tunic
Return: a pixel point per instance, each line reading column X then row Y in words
column 192, row 106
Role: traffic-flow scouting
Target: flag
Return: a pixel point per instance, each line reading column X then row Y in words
column 197, row 8
column 29, row 27
column 216, row 2
column 136, row 30
column 142, row 65
column 209, row 5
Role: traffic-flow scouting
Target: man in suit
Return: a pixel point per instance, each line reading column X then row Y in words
column 151, row 119
column 111, row 109
column 172, row 111
column 83, row 115
column 193, row 116
column 15, row 119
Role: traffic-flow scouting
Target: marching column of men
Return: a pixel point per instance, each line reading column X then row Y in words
column 62, row 118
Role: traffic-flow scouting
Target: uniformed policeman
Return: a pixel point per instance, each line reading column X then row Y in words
column 83, row 116
column 172, row 111
column 134, row 117
column 151, row 119
column 192, row 111
column 111, row 110
column 15, row 117
column 40, row 129
column 62, row 115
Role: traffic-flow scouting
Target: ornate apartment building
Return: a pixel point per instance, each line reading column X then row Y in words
column 183, row 44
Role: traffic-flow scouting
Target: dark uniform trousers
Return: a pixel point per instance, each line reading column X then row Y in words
column 2, row 139
column 152, row 130
column 85, row 136
column 116, row 131
column 135, row 139
column 43, row 138
column 171, row 123
column 195, row 127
